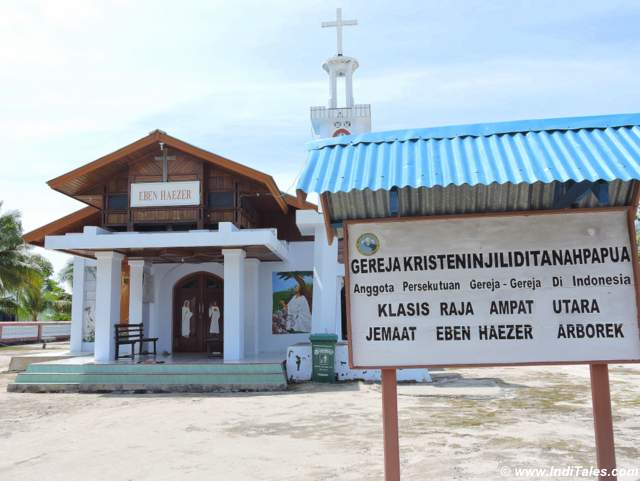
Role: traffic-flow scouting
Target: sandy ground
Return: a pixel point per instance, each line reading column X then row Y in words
column 467, row 425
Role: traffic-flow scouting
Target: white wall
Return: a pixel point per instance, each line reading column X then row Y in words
column 83, row 305
column 259, row 338
column 252, row 309
column 301, row 256
column 300, row 259
column 164, row 278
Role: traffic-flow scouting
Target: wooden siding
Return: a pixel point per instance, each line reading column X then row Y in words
column 251, row 204
column 256, row 200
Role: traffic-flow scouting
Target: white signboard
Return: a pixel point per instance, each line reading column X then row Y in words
column 475, row 290
column 165, row 194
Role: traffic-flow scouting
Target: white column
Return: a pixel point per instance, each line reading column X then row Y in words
column 251, row 283
column 325, row 283
column 333, row 88
column 77, row 303
column 136, row 294
column 234, row 304
column 348, row 85
column 108, row 273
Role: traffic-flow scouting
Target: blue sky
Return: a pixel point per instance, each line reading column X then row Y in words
column 79, row 79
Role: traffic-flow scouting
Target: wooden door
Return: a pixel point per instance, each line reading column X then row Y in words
column 195, row 299
column 214, row 310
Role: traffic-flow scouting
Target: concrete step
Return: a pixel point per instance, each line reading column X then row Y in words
column 52, row 387
column 22, row 362
column 207, row 368
column 69, row 377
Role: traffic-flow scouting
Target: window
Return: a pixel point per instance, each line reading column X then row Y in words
column 220, row 200
column 117, row 201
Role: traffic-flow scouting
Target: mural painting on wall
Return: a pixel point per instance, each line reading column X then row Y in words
column 89, row 307
column 292, row 298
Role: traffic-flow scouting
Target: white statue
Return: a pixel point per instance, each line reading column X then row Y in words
column 214, row 318
column 186, row 319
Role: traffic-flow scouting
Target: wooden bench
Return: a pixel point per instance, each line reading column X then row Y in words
column 132, row 334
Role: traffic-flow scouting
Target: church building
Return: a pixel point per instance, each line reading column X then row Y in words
column 209, row 255
column 194, row 246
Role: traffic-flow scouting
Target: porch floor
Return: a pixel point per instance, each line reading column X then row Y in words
column 181, row 358
column 175, row 373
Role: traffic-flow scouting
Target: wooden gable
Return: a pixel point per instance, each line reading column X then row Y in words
column 229, row 192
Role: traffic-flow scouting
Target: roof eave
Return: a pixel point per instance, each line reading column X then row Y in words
column 57, row 183
column 36, row 236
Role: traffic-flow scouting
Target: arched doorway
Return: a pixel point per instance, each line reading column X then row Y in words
column 198, row 313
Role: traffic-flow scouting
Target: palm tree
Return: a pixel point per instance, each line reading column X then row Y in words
column 66, row 273
column 8, row 306
column 16, row 267
column 35, row 299
column 15, row 270
column 61, row 301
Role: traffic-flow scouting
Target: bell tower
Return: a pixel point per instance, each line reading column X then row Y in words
column 349, row 118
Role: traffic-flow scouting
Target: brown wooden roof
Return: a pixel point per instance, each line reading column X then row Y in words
column 78, row 180
column 301, row 204
column 73, row 222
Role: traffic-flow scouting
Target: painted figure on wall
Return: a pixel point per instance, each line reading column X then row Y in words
column 298, row 312
column 186, row 319
column 89, row 305
column 292, row 297
column 214, row 318
column 88, row 324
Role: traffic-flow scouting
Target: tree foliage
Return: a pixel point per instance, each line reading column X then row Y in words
column 17, row 268
column 305, row 289
column 26, row 284
column 66, row 274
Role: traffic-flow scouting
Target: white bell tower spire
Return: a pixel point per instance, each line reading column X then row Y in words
column 348, row 119
column 339, row 65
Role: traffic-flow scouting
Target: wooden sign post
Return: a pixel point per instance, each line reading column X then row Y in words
column 602, row 420
column 390, row 425
column 533, row 288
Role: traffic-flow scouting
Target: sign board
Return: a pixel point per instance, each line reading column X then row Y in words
column 492, row 289
column 165, row 194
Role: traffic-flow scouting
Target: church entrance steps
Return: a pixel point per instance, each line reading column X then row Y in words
column 206, row 377
column 22, row 362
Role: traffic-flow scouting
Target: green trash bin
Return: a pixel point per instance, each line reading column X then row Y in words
column 323, row 354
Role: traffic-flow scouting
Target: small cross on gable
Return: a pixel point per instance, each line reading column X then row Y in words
column 164, row 158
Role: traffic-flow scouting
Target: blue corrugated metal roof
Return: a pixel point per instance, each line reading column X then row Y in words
column 581, row 148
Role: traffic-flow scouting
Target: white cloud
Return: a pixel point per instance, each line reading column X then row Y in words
column 80, row 79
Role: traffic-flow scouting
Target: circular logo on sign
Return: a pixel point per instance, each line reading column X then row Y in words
column 368, row 244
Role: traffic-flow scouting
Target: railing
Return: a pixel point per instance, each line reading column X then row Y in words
column 11, row 332
column 242, row 217
column 115, row 217
column 165, row 214
column 358, row 110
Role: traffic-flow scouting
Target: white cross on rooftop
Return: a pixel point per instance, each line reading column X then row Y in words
column 338, row 24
